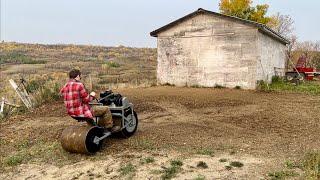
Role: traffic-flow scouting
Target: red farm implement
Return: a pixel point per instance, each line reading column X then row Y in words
column 301, row 71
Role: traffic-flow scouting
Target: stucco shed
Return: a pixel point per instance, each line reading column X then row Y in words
column 208, row 49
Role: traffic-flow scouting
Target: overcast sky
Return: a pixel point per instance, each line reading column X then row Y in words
column 123, row 22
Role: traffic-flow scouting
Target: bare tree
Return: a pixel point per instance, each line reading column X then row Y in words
column 291, row 47
column 311, row 51
column 282, row 24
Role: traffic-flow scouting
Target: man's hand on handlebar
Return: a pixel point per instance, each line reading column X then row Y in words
column 93, row 94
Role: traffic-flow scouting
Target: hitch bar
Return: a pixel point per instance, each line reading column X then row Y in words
column 98, row 139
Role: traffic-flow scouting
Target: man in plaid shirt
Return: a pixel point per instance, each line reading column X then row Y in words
column 76, row 100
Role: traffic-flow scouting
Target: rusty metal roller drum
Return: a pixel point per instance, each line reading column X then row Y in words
column 79, row 139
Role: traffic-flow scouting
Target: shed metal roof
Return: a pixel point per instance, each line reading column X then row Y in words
column 261, row 27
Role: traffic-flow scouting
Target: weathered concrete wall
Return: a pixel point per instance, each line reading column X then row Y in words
column 272, row 58
column 206, row 51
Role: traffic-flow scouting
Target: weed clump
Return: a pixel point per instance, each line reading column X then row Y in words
column 147, row 160
column 112, row 64
column 282, row 175
column 200, row 177
column 172, row 171
column 223, row 160
column 202, row 165
column 311, row 165
column 207, row 152
column 168, row 84
column 237, row 87
column 219, row 86
column 176, row 163
column 236, row 164
column 127, row 169
column 18, row 58
column 14, row 160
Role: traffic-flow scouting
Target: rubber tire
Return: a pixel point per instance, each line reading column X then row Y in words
column 124, row 133
column 90, row 145
column 289, row 77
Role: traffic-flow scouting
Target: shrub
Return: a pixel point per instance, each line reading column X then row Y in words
column 34, row 85
column 47, row 93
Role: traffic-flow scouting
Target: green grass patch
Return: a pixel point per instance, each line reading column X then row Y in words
column 127, row 169
column 282, row 175
column 112, row 64
column 177, row 163
column 19, row 58
column 200, row 177
column 291, row 165
column 17, row 159
column 147, row 160
column 173, row 170
column 36, row 151
column 206, row 152
column 236, row 164
column 280, row 85
column 223, row 160
column 156, row 171
column 311, row 165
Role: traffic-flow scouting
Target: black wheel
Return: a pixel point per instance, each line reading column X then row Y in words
column 290, row 76
column 130, row 125
column 91, row 146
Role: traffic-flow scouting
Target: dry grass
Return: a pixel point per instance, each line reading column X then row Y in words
column 45, row 68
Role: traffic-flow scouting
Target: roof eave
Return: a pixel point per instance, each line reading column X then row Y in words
column 266, row 30
column 263, row 28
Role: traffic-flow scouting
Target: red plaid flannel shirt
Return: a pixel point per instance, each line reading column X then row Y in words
column 76, row 99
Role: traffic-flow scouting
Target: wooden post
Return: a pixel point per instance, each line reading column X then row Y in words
column 2, row 106
column 90, row 83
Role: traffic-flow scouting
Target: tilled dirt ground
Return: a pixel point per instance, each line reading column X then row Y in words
column 261, row 130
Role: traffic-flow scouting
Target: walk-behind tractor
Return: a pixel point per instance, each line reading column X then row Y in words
column 88, row 139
